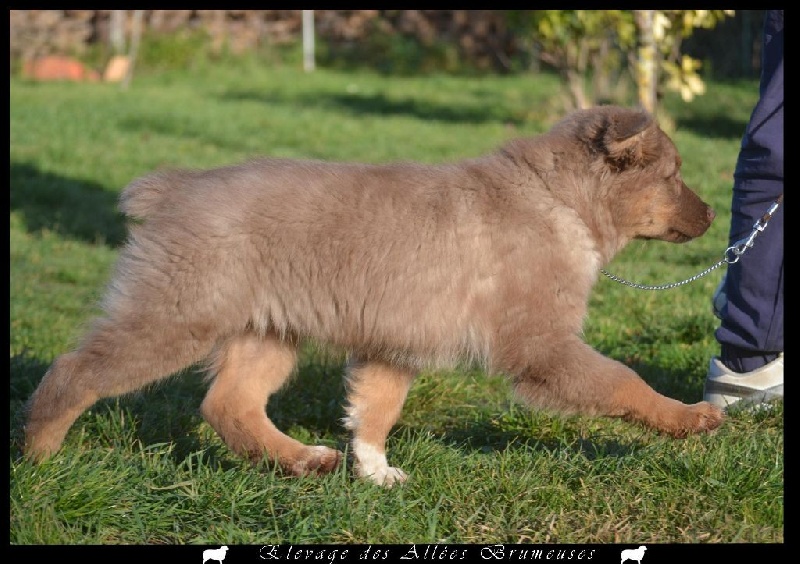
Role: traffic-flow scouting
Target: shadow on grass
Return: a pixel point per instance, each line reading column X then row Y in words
column 705, row 121
column 73, row 208
column 487, row 436
column 25, row 372
column 355, row 106
column 359, row 104
column 722, row 116
column 717, row 126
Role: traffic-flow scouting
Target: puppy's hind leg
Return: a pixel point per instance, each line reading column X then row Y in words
column 249, row 369
column 376, row 393
column 117, row 356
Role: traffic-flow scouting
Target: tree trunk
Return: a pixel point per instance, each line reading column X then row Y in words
column 646, row 63
column 116, row 31
column 136, row 35
column 308, row 40
column 576, row 89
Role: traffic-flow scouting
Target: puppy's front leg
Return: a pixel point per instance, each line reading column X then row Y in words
column 376, row 393
column 576, row 378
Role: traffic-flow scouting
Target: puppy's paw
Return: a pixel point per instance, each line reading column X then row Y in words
column 707, row 417
column 697, row 418
column 370, row 463
column 386, row 477
column 316, row 460
column 39, row 448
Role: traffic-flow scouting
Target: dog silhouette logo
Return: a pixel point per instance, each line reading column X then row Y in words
column 633, row 554
column 217, row 554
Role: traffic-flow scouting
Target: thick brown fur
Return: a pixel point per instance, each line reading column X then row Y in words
column 406, row 266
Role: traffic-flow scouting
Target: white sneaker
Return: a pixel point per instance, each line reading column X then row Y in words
column 724, row 387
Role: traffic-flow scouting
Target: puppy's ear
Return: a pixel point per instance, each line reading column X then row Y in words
column 628, row 139
column 624, row 124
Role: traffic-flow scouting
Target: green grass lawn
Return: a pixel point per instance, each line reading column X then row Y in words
column 146, row 468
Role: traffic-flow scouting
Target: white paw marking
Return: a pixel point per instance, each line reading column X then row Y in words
column 371, row 464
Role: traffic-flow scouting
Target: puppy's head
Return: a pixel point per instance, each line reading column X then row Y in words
column 641, row 171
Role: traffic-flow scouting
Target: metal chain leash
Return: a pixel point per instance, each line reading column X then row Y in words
column 731, row 255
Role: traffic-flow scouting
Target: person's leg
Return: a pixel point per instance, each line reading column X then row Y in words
column 751, row 330
column 750, row 364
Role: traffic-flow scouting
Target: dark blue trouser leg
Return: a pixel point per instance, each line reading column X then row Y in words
column 751, row 333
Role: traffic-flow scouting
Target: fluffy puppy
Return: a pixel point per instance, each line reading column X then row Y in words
column 405, row 266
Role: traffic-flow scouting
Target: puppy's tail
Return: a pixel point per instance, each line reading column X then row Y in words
column 141, row 198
